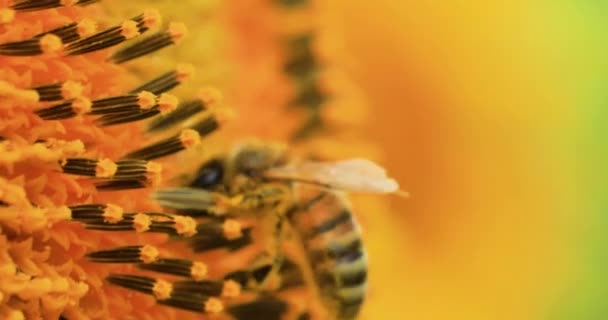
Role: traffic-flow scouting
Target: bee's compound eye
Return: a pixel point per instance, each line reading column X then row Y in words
column 210, row 175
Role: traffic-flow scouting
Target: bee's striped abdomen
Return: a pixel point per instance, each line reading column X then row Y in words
column 331, row 237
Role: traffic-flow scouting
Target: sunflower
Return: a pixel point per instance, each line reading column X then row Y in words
column 89, row 129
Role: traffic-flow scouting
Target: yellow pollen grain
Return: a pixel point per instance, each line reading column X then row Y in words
column 189, row 138
column 152, row 18
column 213, row 305
column 210, row 96
column 86, row 27
column 105, row 168
column 177, row 31
column 154, row 167
column 141, row 222
column 184, row 71
column 112, row 213
column 7, row 90
column 167, row 103
column 155, row 171
column 162, row 290
column 148, row 254
column 129, row 29
column 6, row 15
column 82, row 105
column 232, row 229
column 231, row 289
column 185, row 225
column 50, row 43
column 70, row 90
column 146, row 100
column 198, row 271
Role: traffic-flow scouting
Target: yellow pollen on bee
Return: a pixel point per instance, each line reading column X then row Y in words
column 167, row 103
column 7, row 90
column 162, row 290
column 189, row 138
column 112, row 213
column 198, row 271
column 50, row 43
column 184, row 71
column 210, row 96
column 86, row 27
column 82, row 105
column 232, row 229
column 214, row 305
column 105, row 168
column 231, row 289
column 70, row 90
column 146, row 100
column 185, row 225
column 152, row 18
column 129, row 29
column 6, row 15
column 141, row 222
column 148, row 254
column 177, row 31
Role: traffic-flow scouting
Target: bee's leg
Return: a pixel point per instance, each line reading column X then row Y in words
column 218, row 203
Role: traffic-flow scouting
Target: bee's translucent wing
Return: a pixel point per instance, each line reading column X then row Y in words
column 355, row 175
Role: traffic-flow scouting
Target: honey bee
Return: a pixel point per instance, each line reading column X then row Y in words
column 301, row 200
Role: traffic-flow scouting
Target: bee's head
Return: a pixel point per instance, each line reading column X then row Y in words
column 249, row 159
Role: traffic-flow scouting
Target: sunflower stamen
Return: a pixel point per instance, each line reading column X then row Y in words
column 218, row 234
column 149, row 19
column 168, row 80
column 208, row 98
column 65, row 110
column 99, row 168
column 145, row 222
column 48, row 44
column 225, row 289
column 73, row 31
column 108, row 213
column 132, row 174
column 172, row 224
column 59, row 91
column 178, row 267
column 115, row 35
column 127, row 254
column 165, row 293
column 34, row 5
column 121, row 104
column 186, row 139
column 174, row 33
column 165, row 103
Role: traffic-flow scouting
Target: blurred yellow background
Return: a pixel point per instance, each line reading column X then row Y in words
column 465, row 106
